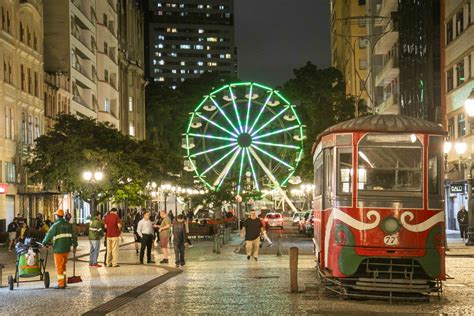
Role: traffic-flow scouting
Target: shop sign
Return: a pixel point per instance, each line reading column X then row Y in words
column 457, row 188
column 3, row 188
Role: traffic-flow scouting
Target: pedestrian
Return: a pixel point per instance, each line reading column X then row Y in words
column 186, row 226
column 145, row 231
column 12, row 234
column 252, row 228
column 190, row 215
column 23, row 233
column 137, row 238
column 164, row 233
column 171, row 216
column 96, row 232
column 179, row 237
column 68, row 216
column 463, row 222
column 113, row 226
column 63, row 237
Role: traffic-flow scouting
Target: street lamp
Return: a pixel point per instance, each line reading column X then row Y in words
column 469, row 107
column 93, row 177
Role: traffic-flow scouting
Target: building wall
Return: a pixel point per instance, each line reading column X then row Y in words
column 21, row 93
column 187, row 38
column 107, row 63
column 131, row 68
column 350, row 45
column 57, row 97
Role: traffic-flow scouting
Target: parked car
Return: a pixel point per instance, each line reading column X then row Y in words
column 273, row 220
column 297, row 218
column 309, row 226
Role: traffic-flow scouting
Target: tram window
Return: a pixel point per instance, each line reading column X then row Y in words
column 390, row 168
column 434, row 167
column 344, row 167
column 318, row 175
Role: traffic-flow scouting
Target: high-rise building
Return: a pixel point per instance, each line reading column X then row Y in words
column 131, row 68
column 21, row 101
column 57, row 97
column 186, row 38
column 405, row 59
column 107, row 62
column 349, row 45
column 70, row 47
column 457, row 82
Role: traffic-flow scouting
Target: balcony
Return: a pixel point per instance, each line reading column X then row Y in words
column 81, row 12
column 83, row 75
column 389, row 72
column 389, row 38
column 78, row 34
column 390, row 105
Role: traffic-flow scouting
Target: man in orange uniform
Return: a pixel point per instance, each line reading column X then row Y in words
column 63, row 237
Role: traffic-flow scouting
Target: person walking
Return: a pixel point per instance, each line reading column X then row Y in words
column 179, row 237
column 12, row 229
column 24, row 233
column 186, row 226
column 164, row 232
column 113, row 227
column 252, row 228
column 463, row 221
column 96, row 232
column 145, row 231
column 63, row 237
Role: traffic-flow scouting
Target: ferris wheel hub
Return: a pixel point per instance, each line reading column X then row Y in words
column 244, row 140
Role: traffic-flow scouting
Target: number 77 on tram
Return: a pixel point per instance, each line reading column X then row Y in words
column 378, row 215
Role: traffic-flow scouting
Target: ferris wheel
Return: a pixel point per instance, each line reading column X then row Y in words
column 246, row 133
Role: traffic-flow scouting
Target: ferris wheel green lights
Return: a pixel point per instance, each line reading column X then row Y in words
column 246, row 133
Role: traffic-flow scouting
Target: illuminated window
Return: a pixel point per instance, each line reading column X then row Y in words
column 131, row 129
column 212, row 39
column 183, row 63
column 198, row 47
column 161, row 62
column 211, row 64
column 161, row 37
column 449, row 79
column 460, row 73
column 185, row 46
column 200, row 31
column 461, row 125
column 228, row 56
column 130, row 104
column 200, row 63
column 173, row 71
column 161, row 79
column 160, row 45
column 106, row 105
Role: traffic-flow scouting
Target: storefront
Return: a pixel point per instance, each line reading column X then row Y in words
column 455, row 199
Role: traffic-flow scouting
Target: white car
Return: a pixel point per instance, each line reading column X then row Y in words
column 273, row 220
column 297, row 218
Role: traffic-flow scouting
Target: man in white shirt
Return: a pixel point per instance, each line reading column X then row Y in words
column 145, row 231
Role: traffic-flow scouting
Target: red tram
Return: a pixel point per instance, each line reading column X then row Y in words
column 378, row 218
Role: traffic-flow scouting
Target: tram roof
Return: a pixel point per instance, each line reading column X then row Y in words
column 387, row 123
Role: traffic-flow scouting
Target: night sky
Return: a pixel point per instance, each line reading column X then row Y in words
column 275, row 36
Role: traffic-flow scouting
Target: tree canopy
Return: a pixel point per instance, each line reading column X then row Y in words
column 322, row 102
column 78, row 144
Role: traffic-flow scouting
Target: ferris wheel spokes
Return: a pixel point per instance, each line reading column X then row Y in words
column 249, row 104
column 270, row 121
column 276, row 145
column 273, row 157
column 224, row 115
column 242, row 157
column 225, row 171
column 216, row 125
column 219, row 161
column 235, row 109
column 213, row 149
column 213, row 137
column 253, row 170
column 260, row 112
column 276, row 132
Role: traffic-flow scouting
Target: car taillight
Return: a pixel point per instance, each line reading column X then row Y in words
column 266, row 219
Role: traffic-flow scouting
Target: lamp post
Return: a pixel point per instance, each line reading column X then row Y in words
column 93, row 177
column 469, row 107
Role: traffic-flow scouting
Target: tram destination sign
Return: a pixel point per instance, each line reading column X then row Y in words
column 456, row 188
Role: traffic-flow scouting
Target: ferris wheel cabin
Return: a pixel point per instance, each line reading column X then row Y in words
column 378, row 217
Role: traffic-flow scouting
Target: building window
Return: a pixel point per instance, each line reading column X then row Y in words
column 23, row 128
column 361, row 2
column 461, row 125
column 449, row 31
column 35, row 42
column 451, row 130
column 459, row 22
column 449, row 79
column 22, row 77
column 460, row 73
column 37, row 128
column 107, row 105
column 105, row 19
column 131, row 129
column 36, row 84
column 9, row 131
column 106, row 48
column 30, row 130
column 30, row 82
column 10, row 172
column 362, row 63
column 22, row 32
column 106, row 75
column 130, row 104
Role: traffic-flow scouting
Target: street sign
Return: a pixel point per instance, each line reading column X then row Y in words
column 456, row 188
column 3, row 188
column 238, row 198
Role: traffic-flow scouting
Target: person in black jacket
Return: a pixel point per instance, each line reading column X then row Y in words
column 463, row 222
column 13, row 229
column 179, row 236
column 138, row 240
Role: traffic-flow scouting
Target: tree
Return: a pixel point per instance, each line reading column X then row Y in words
column 75, row 145
column 323, row 102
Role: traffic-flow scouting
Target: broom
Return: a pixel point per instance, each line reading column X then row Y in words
column 75, row 278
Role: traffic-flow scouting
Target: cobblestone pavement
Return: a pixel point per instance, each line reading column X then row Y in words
column 225, row 284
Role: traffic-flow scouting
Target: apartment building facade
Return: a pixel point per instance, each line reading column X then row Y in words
column 21, row 101
column 350, row 45
column 187, row 38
